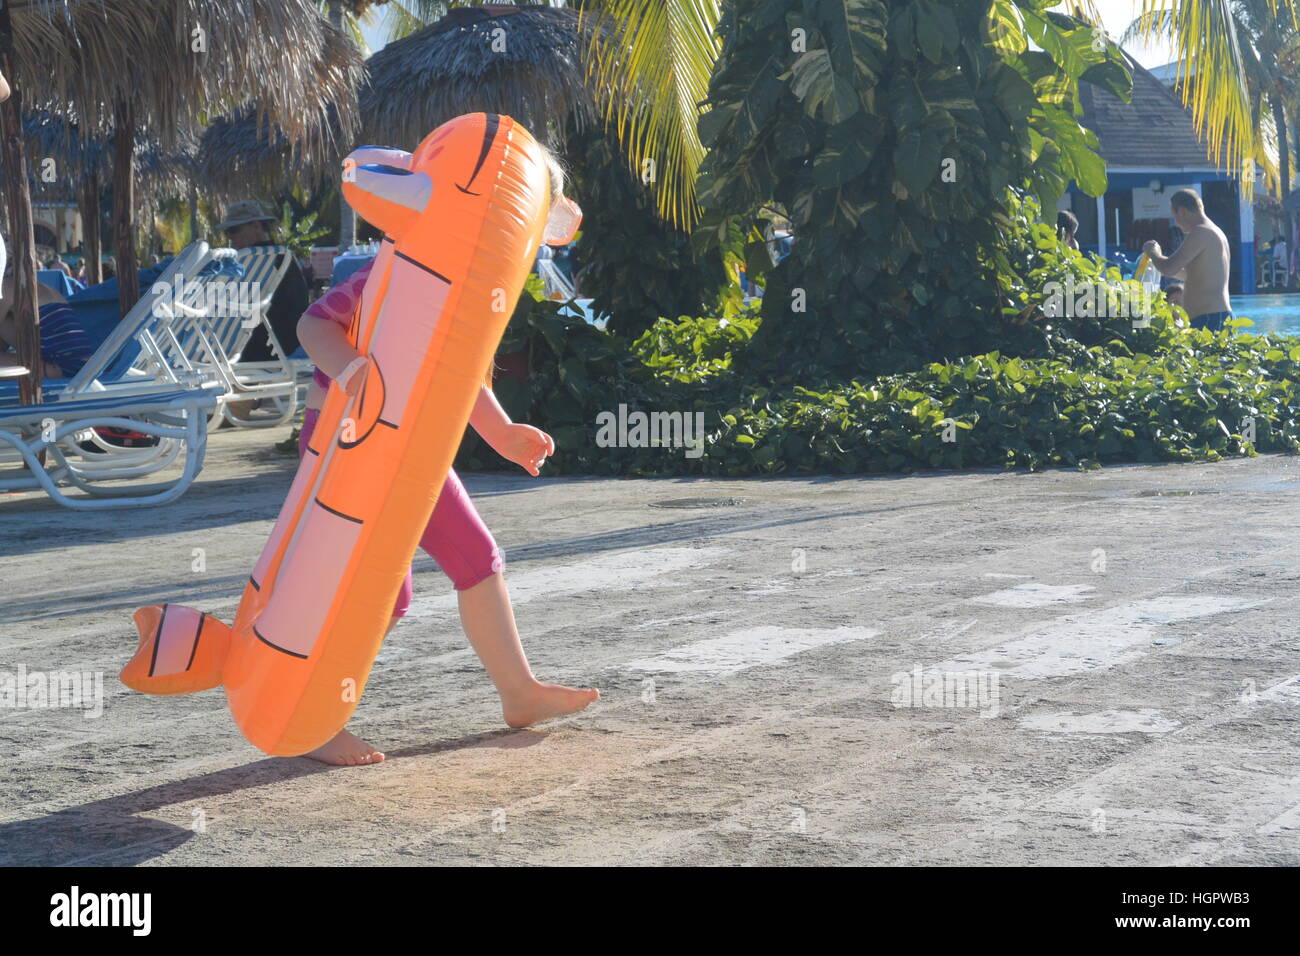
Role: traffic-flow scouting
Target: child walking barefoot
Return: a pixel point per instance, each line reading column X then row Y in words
column 455, row 536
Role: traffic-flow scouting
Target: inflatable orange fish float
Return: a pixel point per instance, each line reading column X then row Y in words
column 462, row 218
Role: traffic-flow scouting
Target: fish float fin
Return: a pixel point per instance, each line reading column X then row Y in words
column 182, row 651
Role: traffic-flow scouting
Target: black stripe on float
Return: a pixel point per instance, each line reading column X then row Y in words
column 157, row 639
column 382, row 422
column 312, row 451
column 489, row 134
column 258, row 634
column 387, row 239
column 339, row 513
column 256, row 586
column 416, row 262
column 197, row 631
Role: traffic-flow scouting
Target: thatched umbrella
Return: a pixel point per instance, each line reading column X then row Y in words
column 69, row 167
column 522, row 61
column 163, row 64
column 243, row 155
column 460, row 64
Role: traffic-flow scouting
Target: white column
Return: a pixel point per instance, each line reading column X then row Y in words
column 1246, row 247
column 1101, row 225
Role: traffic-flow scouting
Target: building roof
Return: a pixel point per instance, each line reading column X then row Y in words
column 1153, row 131
column 1167, row 73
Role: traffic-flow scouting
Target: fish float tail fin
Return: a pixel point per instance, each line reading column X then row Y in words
column 182, row 651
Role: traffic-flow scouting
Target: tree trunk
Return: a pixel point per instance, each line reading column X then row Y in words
column 128, row 276
column 22, row 240
column 347, row 218
column 194, row 212
column 91, row 241
column 1283, row 146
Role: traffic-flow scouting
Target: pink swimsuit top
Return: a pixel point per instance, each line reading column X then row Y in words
column 338, row 305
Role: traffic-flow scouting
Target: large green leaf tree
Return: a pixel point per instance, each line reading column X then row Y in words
column 890, row 133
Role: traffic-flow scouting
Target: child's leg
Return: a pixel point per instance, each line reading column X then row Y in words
column 463, row 547
column 346, row 749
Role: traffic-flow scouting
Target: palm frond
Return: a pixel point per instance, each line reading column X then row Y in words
column 1083, row 9
column 1213, row 55
column 1156, row 23
column 650, row 63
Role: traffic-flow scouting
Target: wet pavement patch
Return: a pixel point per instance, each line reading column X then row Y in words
column 1172, row 493
column 698, row 503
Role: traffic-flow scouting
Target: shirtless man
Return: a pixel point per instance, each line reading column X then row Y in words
column 1203, row 257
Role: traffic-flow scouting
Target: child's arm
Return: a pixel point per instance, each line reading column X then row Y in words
column 488, row 417
column 322, row 329
column 326, row 343
column 525, row 445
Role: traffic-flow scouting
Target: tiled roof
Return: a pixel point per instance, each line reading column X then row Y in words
column 1154, row 130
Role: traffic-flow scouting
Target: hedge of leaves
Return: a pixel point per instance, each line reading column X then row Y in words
column 1102, row 392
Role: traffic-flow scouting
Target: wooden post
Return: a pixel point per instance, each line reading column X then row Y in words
column 22, row 250
column 90, row 228
column 128, row 276
column 347, row 216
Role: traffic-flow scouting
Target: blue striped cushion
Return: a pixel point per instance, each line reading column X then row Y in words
column 109, row 405
column 63, row 341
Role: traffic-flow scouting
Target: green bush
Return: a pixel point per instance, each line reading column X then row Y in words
column 1102, row 391
column 635, row 266
column 1097, row 405
column 888, row 133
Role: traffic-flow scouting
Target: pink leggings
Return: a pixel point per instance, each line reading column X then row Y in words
column 455, row 536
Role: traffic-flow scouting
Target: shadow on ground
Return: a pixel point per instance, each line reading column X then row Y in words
column 111, row 833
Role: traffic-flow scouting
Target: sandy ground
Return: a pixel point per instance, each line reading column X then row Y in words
column 1120, row 650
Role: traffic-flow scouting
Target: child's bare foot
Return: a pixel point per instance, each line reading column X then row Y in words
column 544, row 702
column 346, row 750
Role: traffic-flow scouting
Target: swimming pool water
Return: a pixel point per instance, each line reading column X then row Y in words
column 1270, row 313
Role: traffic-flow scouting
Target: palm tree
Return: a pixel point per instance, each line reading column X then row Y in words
column 666, row 50
column 1221, row 45
column 1267, row 47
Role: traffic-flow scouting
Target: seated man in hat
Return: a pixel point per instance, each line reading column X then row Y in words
column 248, row 223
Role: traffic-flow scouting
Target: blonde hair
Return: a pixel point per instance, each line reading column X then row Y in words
column 556, row 169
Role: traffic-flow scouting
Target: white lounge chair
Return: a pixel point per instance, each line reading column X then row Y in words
column 140, row 378
column 224, row 327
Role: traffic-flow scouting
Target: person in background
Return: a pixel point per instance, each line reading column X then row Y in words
column 1202, row 259
column 248, row 223
column 1067, row 224
column 1281, row 261
column 1174, row 294
column 65, row 346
